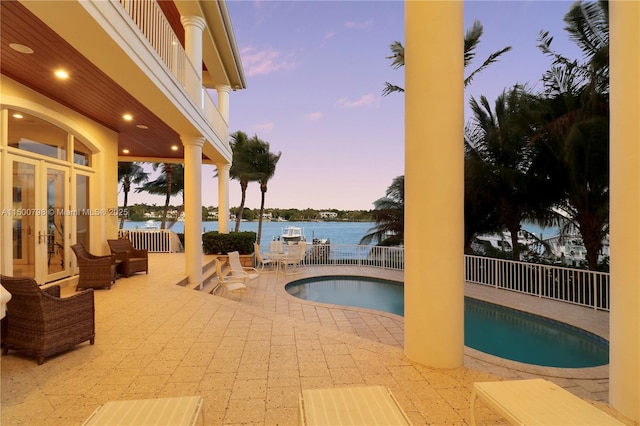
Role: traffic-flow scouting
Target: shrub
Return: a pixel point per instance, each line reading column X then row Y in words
column 216, row 243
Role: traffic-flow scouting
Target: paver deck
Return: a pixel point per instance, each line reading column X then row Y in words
column 248, row 359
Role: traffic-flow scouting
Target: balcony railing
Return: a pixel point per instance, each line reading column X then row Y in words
column 576, row 286
column 154, row 240
column 149, row 18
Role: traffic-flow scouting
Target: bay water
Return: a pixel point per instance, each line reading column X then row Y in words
column 336, row 232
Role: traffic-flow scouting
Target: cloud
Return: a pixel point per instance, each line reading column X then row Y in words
column 364, row 101
column 313, row 116
column 328, row 36
column 265, row 61
column 266, row 126
column 359, row 25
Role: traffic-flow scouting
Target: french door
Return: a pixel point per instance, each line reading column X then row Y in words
column 40, row 219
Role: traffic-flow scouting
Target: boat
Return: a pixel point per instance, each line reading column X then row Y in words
column 292, row 234
column 151, row 224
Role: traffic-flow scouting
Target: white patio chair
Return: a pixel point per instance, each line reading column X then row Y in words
column 261, row 261
column 229, row 285
column 303, row 252
column 276, row 247
column 244, row 273
column 291, row 261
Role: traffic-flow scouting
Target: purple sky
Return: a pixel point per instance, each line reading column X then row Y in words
column 315, row 72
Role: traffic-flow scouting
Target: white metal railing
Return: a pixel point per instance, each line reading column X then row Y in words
column 154, row 240
column 576, row 286
column 356, row 255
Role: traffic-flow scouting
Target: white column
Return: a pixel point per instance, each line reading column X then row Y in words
column 434, row 183
column 223, row 197
column 193, row 207
column 624, row 325
column 223, row 101
column 193, row 26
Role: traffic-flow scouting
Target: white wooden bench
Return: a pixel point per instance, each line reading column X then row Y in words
column 537, row 402
column 357, row 405
column 186, row 410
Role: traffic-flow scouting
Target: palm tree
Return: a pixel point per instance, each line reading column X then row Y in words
column 128, row 174
column 241, row 168
column 574, row 137
column 264, row 163
column 170, row 182
column 499, row 158
column 471, row 41
column 389, row 217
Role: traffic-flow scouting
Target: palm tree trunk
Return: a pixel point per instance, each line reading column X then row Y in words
column 168, row 169
column 243, row 187
column 263, row 189
column 125, row 188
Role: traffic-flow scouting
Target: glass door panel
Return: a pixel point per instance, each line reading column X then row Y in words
column 56, row 220
column 23, row 217
column 82, row 207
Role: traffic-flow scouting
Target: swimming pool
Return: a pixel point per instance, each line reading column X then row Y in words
column 490, row 328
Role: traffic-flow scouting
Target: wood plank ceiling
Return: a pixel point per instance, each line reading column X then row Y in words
column 89, row 91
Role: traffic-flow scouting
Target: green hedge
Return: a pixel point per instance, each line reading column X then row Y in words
column 215, row 243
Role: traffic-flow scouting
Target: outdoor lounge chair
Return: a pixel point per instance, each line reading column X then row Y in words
column 95, row 271
column 261, row 261
column 131, row 259
column 40, row 323
column 244, row 273
column 229, row 285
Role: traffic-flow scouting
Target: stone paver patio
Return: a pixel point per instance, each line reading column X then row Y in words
column 250, row 359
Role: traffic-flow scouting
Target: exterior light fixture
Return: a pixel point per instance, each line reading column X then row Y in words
column 125, row 151
column 17, row 115
column 142, row 126
column 174, row 147
column 127, row 117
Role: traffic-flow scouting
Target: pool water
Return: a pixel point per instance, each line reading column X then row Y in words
column 489, row 328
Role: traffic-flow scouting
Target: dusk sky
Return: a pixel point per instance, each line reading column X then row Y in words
column 315, row 72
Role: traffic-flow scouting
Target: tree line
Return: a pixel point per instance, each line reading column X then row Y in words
column 141, row 212
column 540, row 156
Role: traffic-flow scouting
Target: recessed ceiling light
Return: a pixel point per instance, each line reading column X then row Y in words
column 174, row 147
column 21, row 48
column 61, row 74
column 125, row 151
column 142, row 126
column 128, row 117
column 17, row 115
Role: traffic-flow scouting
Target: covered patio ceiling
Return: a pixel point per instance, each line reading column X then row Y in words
column 87, row 90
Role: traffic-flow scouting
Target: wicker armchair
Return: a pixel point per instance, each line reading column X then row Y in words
column 131, row 259
column 95, row 271
column 41, row 324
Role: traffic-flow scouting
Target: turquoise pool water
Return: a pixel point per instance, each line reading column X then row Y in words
column 490, row 328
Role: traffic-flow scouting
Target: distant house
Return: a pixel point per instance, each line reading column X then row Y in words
column 328, row 215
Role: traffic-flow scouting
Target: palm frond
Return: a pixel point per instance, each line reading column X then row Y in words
column 397, row 54
column 490, row 60
column 471, row 41
column 391, row 88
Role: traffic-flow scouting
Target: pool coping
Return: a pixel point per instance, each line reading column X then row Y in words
column 488, row 294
